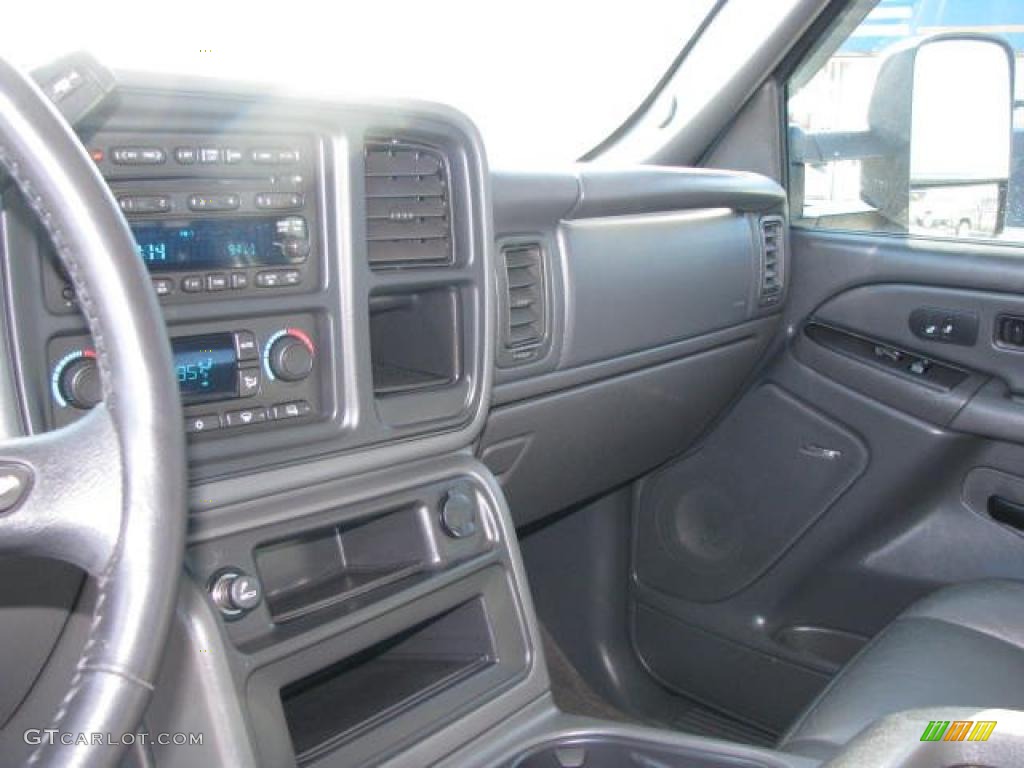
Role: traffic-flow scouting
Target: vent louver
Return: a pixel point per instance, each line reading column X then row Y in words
column 408, row 206
column 772, row 260
column 525, row 314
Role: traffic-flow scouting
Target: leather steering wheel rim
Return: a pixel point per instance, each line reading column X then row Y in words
column 107, row 493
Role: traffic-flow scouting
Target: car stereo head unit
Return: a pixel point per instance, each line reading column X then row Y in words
column 214, row 217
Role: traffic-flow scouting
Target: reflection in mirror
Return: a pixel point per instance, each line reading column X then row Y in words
column 960, row 142
column 967, row 210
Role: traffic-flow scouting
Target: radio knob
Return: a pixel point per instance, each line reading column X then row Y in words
column 80, row 383
column 291, row 358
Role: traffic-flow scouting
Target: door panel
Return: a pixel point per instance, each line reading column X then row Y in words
column 816, row 557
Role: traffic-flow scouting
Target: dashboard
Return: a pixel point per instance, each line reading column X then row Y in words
column 389, row 357
column 324, row 273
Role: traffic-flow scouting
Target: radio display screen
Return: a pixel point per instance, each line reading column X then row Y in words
column 204, row 244
column 206, row 367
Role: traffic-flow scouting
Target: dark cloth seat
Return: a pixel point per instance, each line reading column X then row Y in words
column 961, row 646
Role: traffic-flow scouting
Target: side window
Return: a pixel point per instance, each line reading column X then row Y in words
column 908, row 118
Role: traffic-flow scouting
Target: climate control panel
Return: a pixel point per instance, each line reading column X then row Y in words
column 258, row 373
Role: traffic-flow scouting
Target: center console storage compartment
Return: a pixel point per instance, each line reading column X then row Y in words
column 344, row 561
column 339, row 703
column 414, row 340
column 371, row 687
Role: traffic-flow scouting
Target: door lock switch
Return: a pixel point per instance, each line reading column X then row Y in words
column 945, row 325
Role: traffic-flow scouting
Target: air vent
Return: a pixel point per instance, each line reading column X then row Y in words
column 772, row 260
column 525, row 315
column 408, row 206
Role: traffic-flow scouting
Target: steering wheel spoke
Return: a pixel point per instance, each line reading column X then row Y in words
column 60, row 493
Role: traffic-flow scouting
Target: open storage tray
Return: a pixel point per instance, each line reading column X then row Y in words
column 342, row 562
column 338, row 704
column 414, row 340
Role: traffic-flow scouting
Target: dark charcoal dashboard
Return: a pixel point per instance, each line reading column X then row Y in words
column 324, row 274
column 371, row 361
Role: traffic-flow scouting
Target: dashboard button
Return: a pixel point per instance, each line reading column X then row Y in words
column 278, row 201
column 137, row 155
column 264, row 156
column 192, row 284
column 291, row 410
column 206, row 422
column 216, row 281
column 239, row 280
column 245, row 346
column 232, row 156
column 163, row 286
column 145, row 204
column 209, row 155
column 245, row 417
column 213, row 202
column 185, row 155
column 248, row 382
column 270, row 278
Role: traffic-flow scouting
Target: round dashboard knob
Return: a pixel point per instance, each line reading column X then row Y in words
column 80, row 383
column 291, row 358
column 235, row 592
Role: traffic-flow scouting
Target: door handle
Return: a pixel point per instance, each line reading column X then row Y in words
column 1008, row 512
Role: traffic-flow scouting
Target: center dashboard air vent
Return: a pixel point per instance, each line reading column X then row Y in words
column 408, row 205
column 772, row 230
column 524, row 326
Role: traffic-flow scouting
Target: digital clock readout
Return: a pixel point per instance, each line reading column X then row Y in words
column 206, row 367
column 214, row 243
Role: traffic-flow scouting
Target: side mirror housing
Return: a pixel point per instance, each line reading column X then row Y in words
column 941, row 114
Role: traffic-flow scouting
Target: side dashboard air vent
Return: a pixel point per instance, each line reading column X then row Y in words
column 408, row 205
column 772, row 259
column 525, row 314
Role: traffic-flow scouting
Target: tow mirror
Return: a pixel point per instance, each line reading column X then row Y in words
column 941, row 115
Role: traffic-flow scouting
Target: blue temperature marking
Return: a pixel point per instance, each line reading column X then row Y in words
column 266, row 351
column 58, row 369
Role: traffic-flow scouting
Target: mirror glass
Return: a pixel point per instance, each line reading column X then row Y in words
column 962, row 112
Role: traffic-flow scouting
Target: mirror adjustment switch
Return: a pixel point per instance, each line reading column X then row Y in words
column 945, row 325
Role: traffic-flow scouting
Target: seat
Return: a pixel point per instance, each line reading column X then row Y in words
column 961, row 646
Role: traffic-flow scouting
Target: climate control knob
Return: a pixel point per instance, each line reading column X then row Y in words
column 290, row 356
column 79, row 383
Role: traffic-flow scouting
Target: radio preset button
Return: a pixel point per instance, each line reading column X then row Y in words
column 163, row 286
column 185, row 155
column 145, row 204
column 192, row 284
column 245, row 345
column 278, row 201
column 137, row 155
column 216, row 281
column 213, row 202
column 206, row 422
column 232, row 156
column 209, row 155
column 239, row 280
column 276, row 278
column 265, row 156
column 245, row 417
column 248, row 382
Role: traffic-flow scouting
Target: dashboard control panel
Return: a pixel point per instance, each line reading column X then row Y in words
column 214, row 217
column 258, row 372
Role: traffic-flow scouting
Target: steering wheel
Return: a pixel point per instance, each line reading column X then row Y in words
column 108, row 492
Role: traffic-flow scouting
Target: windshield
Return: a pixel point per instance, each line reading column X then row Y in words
column 544, row 81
